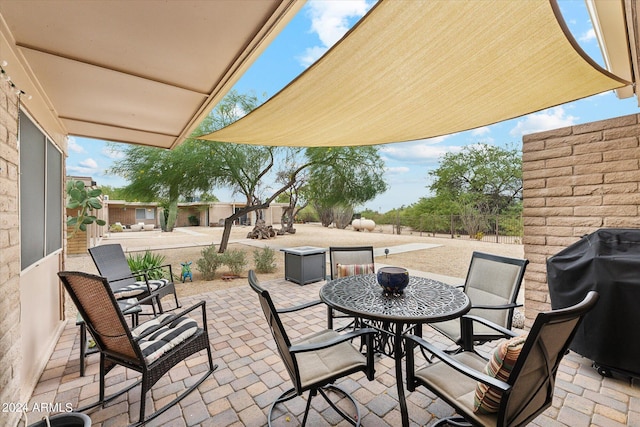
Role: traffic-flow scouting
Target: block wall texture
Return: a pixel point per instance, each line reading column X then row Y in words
column 10, row 344
column 576, row 180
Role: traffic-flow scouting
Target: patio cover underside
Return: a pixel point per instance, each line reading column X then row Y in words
column 418, row 69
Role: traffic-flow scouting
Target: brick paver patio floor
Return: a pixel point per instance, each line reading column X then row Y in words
column 250, row 375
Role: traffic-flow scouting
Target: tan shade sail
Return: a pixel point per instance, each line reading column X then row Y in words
column 418, row 69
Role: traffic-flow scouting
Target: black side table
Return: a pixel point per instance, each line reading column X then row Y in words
column 305, row 264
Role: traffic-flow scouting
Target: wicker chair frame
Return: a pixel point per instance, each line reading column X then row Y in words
column 98, row 307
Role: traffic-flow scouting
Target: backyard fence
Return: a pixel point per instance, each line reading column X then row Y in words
column 485, row 228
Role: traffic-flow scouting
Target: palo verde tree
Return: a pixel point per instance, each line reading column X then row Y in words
column 262, row 173
column 343, row 177
column 165, row 175
column 486, row 178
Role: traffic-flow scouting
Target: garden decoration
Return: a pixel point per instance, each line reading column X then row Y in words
column 186, row 271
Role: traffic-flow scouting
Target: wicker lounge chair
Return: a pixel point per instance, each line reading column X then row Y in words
column 152, row 348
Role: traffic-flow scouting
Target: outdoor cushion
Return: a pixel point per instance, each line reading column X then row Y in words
column 487, row 399
column 345, row 270
column 139, row 288
column 161, row 339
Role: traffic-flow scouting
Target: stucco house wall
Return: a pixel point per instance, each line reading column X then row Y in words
column 30, row 298
column 576, row 180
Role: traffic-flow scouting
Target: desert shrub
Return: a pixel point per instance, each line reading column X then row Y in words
column 265, row 260
column 147, row 261
column 209, row 262
column 115, row 228
column 236, row 260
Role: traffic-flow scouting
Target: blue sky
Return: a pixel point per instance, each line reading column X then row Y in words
column 317, row 27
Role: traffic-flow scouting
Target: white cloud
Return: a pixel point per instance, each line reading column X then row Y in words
column 553, row 118
column 112, row 152
column 588, row 36
column 330, row 20
column 481, row 131
column 397, row 170
column 86, row 167
column 311, row 55
column 417, row 152
column 74, row 146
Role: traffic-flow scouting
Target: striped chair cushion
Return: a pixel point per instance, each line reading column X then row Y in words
column 139, row 288
column 345, row 270
column 487, row 399
column 163, row 338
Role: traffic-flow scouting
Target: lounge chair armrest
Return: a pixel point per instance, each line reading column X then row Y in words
column 455, row 364
column 138, row 302
column 490, row 324
column 146, row 271
column 299, row 307
column 137, row 272
column 334, row 341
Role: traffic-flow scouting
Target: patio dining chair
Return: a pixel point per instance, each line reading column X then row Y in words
column 515, row 385
column 111, row 263
column 152, row 348
column 492, row 285
column 316, row 361
column 348, row 261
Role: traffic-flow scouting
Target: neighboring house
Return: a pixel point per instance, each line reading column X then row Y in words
column 210, row 214
column 130, row 213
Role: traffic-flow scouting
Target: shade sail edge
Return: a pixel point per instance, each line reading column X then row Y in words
column 398, row 76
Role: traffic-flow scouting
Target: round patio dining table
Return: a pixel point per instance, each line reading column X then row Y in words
column 424, row 300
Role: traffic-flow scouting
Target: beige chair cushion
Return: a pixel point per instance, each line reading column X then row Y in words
column 322, row 364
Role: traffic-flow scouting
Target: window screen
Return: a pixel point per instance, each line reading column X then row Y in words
column 40, row 194
column 145, row 213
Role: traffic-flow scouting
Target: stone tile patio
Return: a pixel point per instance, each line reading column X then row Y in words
column 250, row 376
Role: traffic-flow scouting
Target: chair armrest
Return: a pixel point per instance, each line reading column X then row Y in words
column 490, row 324
column 138, row 302
column 497, row 307
column 330, row 343
column 299, row 307
column 412, row 340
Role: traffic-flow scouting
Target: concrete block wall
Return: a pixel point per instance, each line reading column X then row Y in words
column 576, row 180
column 10, row 335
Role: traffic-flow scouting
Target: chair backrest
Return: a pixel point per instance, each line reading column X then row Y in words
column 277, row 329
column 349, row 255
column 533, row 375
column 99, row 309
column 112, row 264
column 494, row 280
